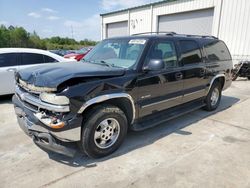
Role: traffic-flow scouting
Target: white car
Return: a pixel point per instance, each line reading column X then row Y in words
column 14, row 59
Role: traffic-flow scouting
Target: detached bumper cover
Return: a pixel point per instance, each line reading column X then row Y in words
column 46, row 140
column 42, row 136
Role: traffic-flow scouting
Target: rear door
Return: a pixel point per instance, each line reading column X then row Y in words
column 8, row 67
column 30, row 59
column 193, row 70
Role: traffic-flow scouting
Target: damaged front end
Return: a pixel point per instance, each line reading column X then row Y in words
column 46, row 117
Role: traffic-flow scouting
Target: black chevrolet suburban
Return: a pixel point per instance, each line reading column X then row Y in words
column 133, row 82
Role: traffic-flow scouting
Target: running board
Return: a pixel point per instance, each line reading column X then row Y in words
column 166, row 115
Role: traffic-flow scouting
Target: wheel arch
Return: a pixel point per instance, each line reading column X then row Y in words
column 220, row 78
column 122, row 100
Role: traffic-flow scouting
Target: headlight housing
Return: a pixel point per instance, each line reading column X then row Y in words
column 54, row 99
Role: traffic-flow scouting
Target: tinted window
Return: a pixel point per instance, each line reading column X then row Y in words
column 8, row 59
column 217, row 51
column 31, row 58
column 48, row 59
column 190, row 52
column 164, row 50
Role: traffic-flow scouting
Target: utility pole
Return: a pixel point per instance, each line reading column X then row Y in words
column 72, row 33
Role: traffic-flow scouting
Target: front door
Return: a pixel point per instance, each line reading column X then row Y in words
column 159, row 90
column 8, row 67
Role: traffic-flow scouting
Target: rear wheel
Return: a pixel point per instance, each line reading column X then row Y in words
column 248, row 77
column 214, row 96
column 104, row 131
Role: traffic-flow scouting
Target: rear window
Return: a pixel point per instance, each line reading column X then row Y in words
column 217, row 51
column 8, row 59
column 190, row 52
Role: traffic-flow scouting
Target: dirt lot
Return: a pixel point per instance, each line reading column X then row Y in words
column 200, row 149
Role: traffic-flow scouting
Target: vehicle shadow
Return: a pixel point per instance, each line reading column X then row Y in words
column 6, row 99
column 137, row 140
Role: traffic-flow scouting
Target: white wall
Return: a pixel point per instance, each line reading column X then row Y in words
column 235, row 27
column 231, row 21
column 140, row 20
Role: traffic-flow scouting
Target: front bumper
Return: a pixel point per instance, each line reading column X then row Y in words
column 45, row 140
column 43, row 135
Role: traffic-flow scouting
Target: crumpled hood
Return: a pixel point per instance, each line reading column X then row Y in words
column 51, row 75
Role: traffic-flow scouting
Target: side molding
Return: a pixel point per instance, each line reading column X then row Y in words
column 213, row 79
column 106, row 97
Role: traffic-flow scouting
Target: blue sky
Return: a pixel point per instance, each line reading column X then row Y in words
column 57, row 17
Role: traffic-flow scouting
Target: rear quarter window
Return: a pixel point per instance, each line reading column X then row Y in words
column 217, row 51
column 8, row 60
column 48, row 59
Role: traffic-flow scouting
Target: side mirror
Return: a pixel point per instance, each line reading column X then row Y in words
column 154, row 65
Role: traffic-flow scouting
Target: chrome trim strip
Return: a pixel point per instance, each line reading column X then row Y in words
column 159, row 102
column 102, row 98
column 188, row 94
column 37, row 102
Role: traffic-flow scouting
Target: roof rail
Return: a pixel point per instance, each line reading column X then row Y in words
column 175, row 34
column 166, row 33
column 198, row 36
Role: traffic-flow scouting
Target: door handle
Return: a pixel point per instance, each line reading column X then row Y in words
column 178, row 76
column 12, row 70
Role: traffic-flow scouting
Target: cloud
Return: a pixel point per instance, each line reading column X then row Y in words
column 47, row 31
column 53, row 18
column 49, row 10
column 34, row 15
column 109, row 5
column 3, row 22
column 88, row 28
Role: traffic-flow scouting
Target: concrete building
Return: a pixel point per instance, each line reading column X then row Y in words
column 228, row 20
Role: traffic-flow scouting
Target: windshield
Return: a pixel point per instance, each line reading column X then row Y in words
column 117, row 52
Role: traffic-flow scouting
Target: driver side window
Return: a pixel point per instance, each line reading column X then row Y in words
column 164, row 50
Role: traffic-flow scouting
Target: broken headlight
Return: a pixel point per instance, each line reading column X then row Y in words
column 54, row 99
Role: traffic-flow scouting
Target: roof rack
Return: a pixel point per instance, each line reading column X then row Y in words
column 175, row 34
column 166, row 33
column 197, row 36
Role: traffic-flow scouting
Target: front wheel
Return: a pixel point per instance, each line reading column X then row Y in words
column 214, row 96
column 103, row 131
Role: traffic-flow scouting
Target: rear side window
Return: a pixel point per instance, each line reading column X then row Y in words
column 217, row 51
column 31, row 58
column 190, row 52
column 8, row 59
column 48, row 59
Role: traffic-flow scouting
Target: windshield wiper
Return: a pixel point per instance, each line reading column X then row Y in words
column 105, row 63
column 101, row 62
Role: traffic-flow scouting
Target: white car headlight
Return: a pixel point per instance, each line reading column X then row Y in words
column 54, row 99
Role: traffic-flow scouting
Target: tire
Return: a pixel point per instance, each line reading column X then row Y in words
column 248, row 77
column 103, row 121
column 211, row 102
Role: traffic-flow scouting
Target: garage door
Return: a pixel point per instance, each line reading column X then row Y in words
column 196, row 22
column 117, row 29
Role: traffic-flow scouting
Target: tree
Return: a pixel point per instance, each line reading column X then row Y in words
column 19, row 37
